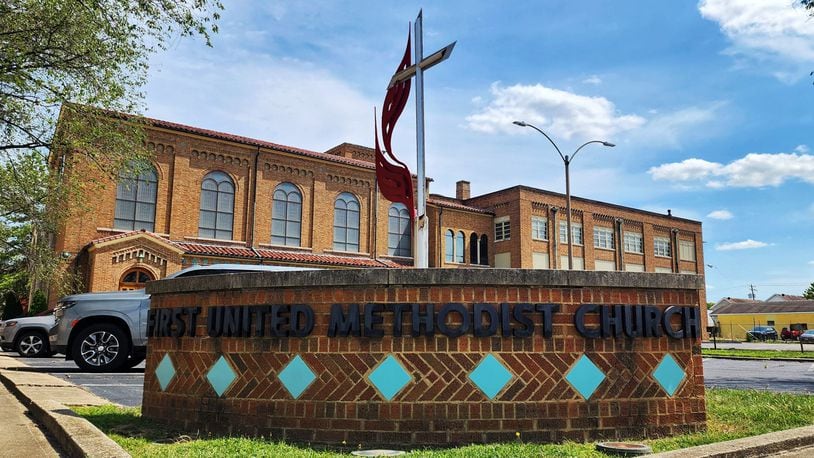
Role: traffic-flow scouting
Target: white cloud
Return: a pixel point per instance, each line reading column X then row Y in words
column 777, row 31
column 560, row 113
column 803, row 149
column 672, row 127
column 721, row 214
column 751, row 171
column 593, row 79
column 745, row 245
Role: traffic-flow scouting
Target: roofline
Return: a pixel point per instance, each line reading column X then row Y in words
column 233, row 138
column 522, row 187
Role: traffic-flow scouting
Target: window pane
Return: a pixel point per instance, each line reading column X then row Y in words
column 340, row 235
column 225, row 202
column 208, row 233
column 126, row 189
column 353, row 219
column 340, row 218
column 146, row 191
column 278, row 209
column 224, row 221
column 145, row 212
column 278, row 227
column 125, row 209
column 292, row 229
column 208, row 200
column 124, row 224
column 294, row 211
column 448, row 246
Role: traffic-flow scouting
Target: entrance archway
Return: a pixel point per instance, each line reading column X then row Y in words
column 135, row 279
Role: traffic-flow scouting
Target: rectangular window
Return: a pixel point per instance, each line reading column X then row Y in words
column 579, row 263
column 539, row 228
column 634, row 267
column 686, row 250
column 661, row 247
column 503, row 260
column 539, row 260
column 503, row 230
column 601, row 265
column 633, row 243
column 769, row 322
column 603, row 237
column 664, row 270
column 576, row 229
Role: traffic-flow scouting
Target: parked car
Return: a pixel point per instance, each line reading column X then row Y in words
column 104, row 332
column 761, row 333
column 790, row 334
column 28, row 336
column 807, row 337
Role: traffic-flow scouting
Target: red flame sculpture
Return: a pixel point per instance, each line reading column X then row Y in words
column 395, row 179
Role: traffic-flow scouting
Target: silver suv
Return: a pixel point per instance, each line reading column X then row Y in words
column 28, row 336
column 103, row 332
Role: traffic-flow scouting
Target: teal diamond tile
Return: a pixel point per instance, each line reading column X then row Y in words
column 584, row 376
column 165, row 372
column 296, row 377
column 669, row 374
column 389, row 377
column 490, row 375
column 221, row 375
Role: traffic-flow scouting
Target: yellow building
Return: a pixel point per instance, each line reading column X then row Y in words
column 734, row 317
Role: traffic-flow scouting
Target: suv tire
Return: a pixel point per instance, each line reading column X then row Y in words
column 102, row 347
column 32, row 344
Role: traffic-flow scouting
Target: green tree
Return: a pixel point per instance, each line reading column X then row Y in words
column 57, row 58
column 39, row 303
column 809, row 293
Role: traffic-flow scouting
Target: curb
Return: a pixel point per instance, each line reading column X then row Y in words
column 77, row 436
column 747, row 358
column 762, row 445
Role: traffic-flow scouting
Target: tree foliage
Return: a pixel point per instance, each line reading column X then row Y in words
column 57, row 58
column 809, row 293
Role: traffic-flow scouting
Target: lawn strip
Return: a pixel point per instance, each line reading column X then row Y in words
column 731, row 414
column 760, row 354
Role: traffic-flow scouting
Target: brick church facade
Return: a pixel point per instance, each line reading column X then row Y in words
column 212, row 197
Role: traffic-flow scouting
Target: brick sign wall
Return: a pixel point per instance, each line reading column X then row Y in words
column 432, row 357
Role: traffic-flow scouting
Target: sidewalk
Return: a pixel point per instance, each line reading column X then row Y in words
column 44, row 398
column 19, row 435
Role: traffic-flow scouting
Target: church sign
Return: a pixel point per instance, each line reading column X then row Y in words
column 432, row 357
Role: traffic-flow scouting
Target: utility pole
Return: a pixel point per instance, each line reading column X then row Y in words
column 752, row 295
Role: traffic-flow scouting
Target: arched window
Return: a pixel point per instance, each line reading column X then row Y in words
column 398, row 231
column 474, row 254
column 459, row 247
column 449, row 246
column 484, row 250
column 135, row 201
column 217, row 206
column 135, row 279
column 286, row 215
column 346, row 223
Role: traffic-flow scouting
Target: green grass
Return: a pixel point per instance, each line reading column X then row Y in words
column 731, row 414
column 761, row 354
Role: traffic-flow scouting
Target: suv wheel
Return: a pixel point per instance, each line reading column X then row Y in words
column 101, row 348
column 32, row 344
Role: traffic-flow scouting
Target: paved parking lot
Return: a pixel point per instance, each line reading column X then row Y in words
column 125, row 388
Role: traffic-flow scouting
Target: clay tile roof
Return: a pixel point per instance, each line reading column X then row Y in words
column 446, row 202
column 325, row 259
column 216, row 250
column 127, row 234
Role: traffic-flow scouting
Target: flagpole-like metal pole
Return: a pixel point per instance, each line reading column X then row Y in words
column 421, row 256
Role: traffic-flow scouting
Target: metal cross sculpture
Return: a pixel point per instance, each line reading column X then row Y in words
column 394, row 178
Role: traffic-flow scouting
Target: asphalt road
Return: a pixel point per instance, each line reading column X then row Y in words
column 125, row 388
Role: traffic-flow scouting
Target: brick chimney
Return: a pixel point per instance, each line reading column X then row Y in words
column 462, row 190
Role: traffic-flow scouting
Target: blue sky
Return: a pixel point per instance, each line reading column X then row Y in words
column 710, row 104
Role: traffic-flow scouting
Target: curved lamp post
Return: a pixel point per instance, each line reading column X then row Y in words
column 567, row 161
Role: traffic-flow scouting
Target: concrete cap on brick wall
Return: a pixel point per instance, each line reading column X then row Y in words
column 428, row 277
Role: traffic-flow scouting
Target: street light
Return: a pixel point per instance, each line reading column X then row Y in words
column 567, row 161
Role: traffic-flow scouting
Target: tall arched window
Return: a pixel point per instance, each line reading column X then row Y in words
column 217, row 206
column 286, row 215
column 346, row 223
column 398, row 231
column 459, row 247
column 474, row 254
column 135, row 201
column 449, row 246
column 135, row 279
column 484, row 250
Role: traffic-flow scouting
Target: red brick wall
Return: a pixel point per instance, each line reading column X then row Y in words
column 440, row 406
